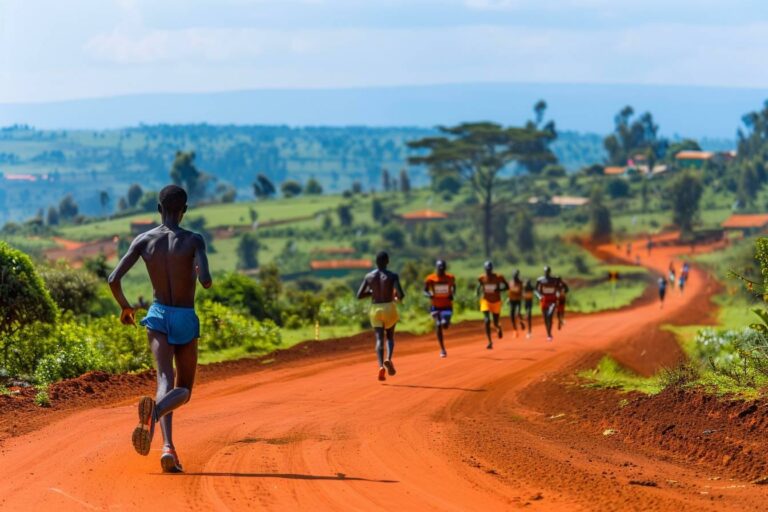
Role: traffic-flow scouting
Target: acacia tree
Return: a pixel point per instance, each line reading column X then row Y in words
column 686, row 193
column 634, row 136
column 477, row 152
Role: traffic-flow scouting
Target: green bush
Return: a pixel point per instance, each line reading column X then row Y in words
column 222, row 327
column 75, row 355
column 72, row 290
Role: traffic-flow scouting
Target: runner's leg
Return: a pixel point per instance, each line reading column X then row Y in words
column 390, row 342
column 162, row 351
column 496, row 324
column 379, row 333
column 487, row 321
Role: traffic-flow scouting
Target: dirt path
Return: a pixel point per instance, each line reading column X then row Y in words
column 325, row 435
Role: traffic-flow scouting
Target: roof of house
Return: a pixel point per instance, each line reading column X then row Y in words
column 569, row 200
column 694, row 155
column 424, row 215
column 741, row 221
column 614, row 170
column 142, row 222
column 348, row 264
column 21, row 177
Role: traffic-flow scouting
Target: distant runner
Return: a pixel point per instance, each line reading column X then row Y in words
column 547, row 287
column 672, row 274
column 684, row 275
column 440, row 287
column 562, row 291
column 515, row 301
column 174, row 258
column 489, row 288
column 528, row 292
column 662, row 291
column 384, row 289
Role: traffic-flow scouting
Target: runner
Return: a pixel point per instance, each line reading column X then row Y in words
column 384, row 289
column 562, row 291
column 546, row 290
column 649, row 245
column 173, row 257
column 489, row 287
column 662, row 291
column 672, row 274
column 515, row 305
column 440, row 287
column 684, row 275
column 528, row 292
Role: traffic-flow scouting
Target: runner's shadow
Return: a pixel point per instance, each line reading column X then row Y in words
column 339, row 477
column 435, row 387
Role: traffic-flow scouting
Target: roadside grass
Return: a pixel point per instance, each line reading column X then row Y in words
column 608, row 374
column 603, row 296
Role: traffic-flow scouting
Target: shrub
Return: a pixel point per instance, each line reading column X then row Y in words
column 72, row 290
column 42, row 399
column 222, row 327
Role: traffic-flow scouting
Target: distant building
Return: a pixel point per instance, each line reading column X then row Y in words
column 692, row 159
column 749, row 224
column 562, row 201
column 339, row 268
column 140, row 226
column 423, row 216
column 615, row 170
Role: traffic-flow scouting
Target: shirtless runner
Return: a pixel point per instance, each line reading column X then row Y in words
column 384, row 289
column 174, row 258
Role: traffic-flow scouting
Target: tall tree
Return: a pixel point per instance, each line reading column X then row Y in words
column 53, row 216
column 104, row 200
column 386, row 181
column 525, row 235
column 405, row 182
column 134, row 194
column 313, row 187
column 248, row 251
column 290, row 188
column 535, row 156
column 185, row 173
column 263, row 188
column 478, row 152
column 600, row 217
column 344, row 211
column 686, row 193
column 633, row 137
column 68, row 208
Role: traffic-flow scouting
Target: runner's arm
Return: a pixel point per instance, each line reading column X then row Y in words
column 115, row 285
column 399, row 289
column 364, row 290
column 427, row 291
column 201, row 263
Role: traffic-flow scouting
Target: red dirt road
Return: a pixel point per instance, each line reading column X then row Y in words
column 323, row 434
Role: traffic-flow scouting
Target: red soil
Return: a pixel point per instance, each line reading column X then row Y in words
column 480, row 430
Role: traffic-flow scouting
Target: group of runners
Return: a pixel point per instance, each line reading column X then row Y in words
column 385, row 291
column 176, row 260
column 672, row 278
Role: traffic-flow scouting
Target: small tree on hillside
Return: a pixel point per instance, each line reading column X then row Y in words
column 686, row 193
column 290, row 188
column 248, row 251
column 600, row 218
column 185, row 173
column 23, row 296
column 377, row 210
column 344, row 211
column 104, row 200
column 313, row 187
column 386, row 180
column 405, row 182
column 53, row 216
column 525, row 236
column 263, row 188
column 134, row 194
column 68, row 208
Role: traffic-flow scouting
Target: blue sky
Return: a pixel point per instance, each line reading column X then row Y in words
column 53, row 49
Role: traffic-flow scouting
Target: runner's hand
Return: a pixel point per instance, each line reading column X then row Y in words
column 127, row 316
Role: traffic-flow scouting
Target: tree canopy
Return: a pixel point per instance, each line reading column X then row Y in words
column 686, row 193
column 476, row 153
column 632, row 137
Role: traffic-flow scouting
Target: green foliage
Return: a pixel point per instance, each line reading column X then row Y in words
column 609, row 374
column 185, row 173
column 97, row 266
column 393, row 236
column 263, row 188
column 405, row 181
column 52, row 219
column 525, row 235
column 68, row 208
column 23, row 296
column 42, row 399
column 685, row 193
column 248, row 251
column 617, row 188
column 239, row 292
column 134, row 194
column 344, row 211
column 290, row 188
column 72, row 289
column 224, row 327
column 633, row 137
column 313, row 187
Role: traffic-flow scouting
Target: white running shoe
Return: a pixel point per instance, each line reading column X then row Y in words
column 443, row 353
column 549, row 338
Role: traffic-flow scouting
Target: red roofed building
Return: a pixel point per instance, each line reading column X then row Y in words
column 748, row 223
column 337, row 268
column 423, row 216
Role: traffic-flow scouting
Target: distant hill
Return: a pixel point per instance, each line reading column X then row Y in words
column 698, row 112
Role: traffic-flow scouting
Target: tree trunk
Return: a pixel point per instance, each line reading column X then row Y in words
column 487, row 210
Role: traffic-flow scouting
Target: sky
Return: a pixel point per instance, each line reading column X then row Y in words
column 54, row 50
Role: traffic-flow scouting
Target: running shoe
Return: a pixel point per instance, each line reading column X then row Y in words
column 528, row 336
column 382, row 374
column 517, row 334
column 522, row 325
column 549, row 338
column 142, row 434
column 169, row 461
column 490, row 345
column 443, row 353
column 390, row 367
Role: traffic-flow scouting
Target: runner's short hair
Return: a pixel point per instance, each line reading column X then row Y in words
column 382, row 258
column 173, row 199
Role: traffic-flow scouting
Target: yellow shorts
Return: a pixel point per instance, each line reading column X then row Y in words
column 492, row 307
column 384, row 315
